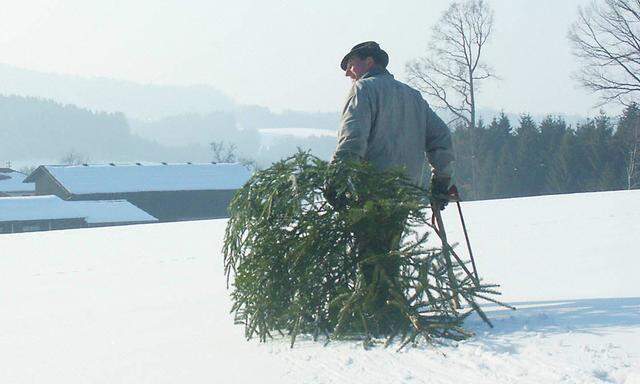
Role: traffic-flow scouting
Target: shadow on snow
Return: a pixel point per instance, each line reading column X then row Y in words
column 561, row 316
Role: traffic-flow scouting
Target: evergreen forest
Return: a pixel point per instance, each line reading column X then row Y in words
column 550, row 157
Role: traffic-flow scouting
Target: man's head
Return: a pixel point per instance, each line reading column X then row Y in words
column 362, row 58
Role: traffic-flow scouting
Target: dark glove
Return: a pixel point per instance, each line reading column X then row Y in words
column 339, row 187
column 439, row 191
column 335, row 195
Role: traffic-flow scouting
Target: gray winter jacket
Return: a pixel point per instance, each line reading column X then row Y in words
column 389, row 124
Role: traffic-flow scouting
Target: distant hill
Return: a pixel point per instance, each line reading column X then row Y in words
column 240, row 126
column 33, row 128
column 257, row 117
column 257, row 133
column 140, row 101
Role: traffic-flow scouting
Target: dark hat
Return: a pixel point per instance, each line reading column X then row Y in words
column 366, row 49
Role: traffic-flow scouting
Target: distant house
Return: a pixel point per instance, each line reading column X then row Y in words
column 169, row 192
column 44, row 213
column 11, row 184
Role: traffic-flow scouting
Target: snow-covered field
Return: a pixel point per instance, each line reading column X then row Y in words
column 297, row 132
column 272, row 136
column 148, row 304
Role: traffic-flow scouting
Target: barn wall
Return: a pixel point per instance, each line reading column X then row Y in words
column 117, row 224
column 40, row 225
column 17, row 194
column 68, row 224
column 173, row 205
column 46, row 185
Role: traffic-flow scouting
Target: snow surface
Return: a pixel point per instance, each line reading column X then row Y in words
column 272, row 136
column 14, row 183
column 148, row 304
column 52, row 207
column 146, row 177
column 298, row 132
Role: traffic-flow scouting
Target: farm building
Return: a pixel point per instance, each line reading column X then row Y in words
column 43, row 213
column 11, row 184
column 169, row 192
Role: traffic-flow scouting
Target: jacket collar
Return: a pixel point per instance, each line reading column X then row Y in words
column 376, row 71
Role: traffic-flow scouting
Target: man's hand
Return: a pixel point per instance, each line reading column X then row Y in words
column 331, row 194
column 334, row 189
column 439, row 191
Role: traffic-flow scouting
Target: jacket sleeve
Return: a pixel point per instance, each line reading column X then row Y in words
column 438, row 145
column 355, row 125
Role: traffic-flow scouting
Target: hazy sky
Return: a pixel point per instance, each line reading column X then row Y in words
column 285, row 54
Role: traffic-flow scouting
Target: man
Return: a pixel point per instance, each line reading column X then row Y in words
column 389, row 125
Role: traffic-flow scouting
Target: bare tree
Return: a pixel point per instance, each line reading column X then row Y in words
column 74, row 158
column 632, row 157
column 451, row 74
column 27, row 169
column 606, row 40
column 227, row 153
column 223, row 152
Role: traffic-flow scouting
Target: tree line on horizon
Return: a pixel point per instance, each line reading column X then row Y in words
column 549, row 157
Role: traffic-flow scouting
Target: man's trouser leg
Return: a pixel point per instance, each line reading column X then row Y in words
column 378, row 243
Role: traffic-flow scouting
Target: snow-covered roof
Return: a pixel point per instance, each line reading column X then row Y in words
column 52, row 207
column 11, row 181
column 85, row 179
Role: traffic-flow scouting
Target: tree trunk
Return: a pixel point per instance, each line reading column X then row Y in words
column 633, row 156
column 474, row 161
